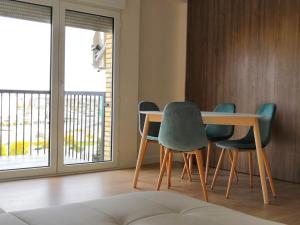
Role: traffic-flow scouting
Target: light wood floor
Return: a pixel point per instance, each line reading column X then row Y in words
column 36, row 193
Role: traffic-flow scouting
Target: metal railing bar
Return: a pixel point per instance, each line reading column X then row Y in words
column 69, row 121
column 81, row 125
column 1, row 124
column 8, row 151
column 85, row 126
column 94, row 124
column 38, row 128
column 103, row 127
column 89, row 140
column 73, row 121
column 48, row 126
column 23, row 91
column 16, row 143
column 89, row 93
column 45, row 123
column 77, row 118
column 24, row 103
column 66, row 123
column 31, row 117
column 98, row 116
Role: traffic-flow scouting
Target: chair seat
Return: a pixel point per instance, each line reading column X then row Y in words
column 243, row 144
column 152, row 138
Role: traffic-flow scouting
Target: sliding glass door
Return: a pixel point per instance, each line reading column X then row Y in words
column 25, row 94
column 88, row 88
column 56, row 88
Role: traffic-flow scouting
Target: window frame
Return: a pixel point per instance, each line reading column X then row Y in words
column 114, row 163
column 51, row 169
column 56, row 166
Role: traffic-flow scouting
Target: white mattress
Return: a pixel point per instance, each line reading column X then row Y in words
column 138, row 208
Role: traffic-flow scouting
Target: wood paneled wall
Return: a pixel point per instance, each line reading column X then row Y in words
column 248, row 52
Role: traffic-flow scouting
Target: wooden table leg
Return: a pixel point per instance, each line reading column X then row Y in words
column 142, row 151
column 260, row 162
column 268, row 170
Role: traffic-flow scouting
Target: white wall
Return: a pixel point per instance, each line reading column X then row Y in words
column 128, row 83
column 162, row 54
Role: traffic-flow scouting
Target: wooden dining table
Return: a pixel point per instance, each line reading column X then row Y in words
column 237, row 119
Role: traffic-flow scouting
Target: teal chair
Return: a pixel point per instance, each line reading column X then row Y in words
column 217, row 133
column 152, row 137
column 247, row 144
column 182, row 131
column 214, row 134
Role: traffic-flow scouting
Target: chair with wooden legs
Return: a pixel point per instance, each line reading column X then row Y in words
column 247, row 144
column 152, row 137
column 182, row 131
column 214, row 134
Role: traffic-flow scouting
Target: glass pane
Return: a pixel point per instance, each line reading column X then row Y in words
column 25, row 44
column 88, row 88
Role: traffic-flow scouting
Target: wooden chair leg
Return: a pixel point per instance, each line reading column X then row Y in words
column 146, row 147
column 185, row 168
column 161, row 155
column 268, row 170
column 231, row 159
column 250, row 160
column 191, row 163
column 162, row 169
column 198, row 154
column 209, row 146
column 170, row 163
column 217, row 168
column 233, row 166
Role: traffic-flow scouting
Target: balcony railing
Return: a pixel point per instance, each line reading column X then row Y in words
column 84, row 120
column 25, row 124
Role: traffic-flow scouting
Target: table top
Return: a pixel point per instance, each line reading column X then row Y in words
column 213, row 114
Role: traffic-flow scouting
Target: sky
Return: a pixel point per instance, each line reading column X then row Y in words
column 25, row 57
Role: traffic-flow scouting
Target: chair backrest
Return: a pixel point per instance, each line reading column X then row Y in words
column 268, row 111
column 153, row 127
column 221, row 132
column 182, row 127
